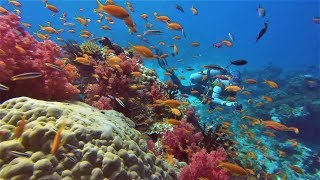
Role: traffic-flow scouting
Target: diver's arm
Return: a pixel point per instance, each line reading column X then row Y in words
column 216, row 91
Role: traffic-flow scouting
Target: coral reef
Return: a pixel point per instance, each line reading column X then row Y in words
column 182, row 141
column 204, row 165
column 92, row 49
column 24, row 54
column 96, row 144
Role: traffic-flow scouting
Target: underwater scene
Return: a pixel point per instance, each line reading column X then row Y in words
column 155, row 89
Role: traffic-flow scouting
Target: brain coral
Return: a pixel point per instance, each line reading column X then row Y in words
column 95, row 144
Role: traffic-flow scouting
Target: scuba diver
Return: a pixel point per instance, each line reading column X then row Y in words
column 209, row 84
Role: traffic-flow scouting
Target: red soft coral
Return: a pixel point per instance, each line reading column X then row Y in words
column 204, row 165
column 22, row 54
column 183, row 141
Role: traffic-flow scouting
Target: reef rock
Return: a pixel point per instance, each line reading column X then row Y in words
column 94, row 144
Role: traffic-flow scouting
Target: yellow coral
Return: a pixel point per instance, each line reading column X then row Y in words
column 90, row 48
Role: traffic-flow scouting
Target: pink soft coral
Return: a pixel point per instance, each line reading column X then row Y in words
column 183, row 141
column 204, row 165
column 22, row 54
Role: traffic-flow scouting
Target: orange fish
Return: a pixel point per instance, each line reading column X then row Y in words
column 294, row 142
column 230, row 98
column 195, row 44
column 52, row 8
column 227, row 43
column 161, row 18
column 174, row 26
column 176, row 37
column 133, row 87
column 143, row 51
column 194, row 10
column 173, row 122
column 109, row 19
column 49, row 29
column 113, row 10
column 19, row 130
column 170, row 158
column 175, row 49
column 85, row 60
column 268, row 133
column 251, row 81
column 267, row 98
column 15, row 3
column 194, row 92
column 3, row 10
column 2, row 52
column 26, row 25
column 176, row 111
column 233, row 88
column 247, row 93
column 144, row 16
column 136, row 74
column 105, row 27
column 20, row 49
column 271, row 84
column 296, row 169
column 170, row 102
column 163, row 56
column 56, row 140
column 233, row 168
column 279, row 127
column 167, row 74
column 82, row 20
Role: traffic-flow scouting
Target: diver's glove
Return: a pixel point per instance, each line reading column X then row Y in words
column 228, row 103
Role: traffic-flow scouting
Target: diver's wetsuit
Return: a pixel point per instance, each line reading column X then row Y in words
column 200, row 87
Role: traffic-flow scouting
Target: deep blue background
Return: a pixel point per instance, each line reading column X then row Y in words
column 292, row 38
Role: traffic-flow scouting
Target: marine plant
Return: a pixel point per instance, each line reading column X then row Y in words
column 204, row 165
column 22, row 53
column 182, row 141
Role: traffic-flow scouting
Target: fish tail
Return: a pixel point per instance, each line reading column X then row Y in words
column 100, row 6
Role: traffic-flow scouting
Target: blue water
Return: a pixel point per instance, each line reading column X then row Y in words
column 291, row 41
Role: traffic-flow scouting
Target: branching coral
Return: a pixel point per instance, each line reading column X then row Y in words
column 182, row 142
column 204, row 165
column 92, row 49
column 23, row 54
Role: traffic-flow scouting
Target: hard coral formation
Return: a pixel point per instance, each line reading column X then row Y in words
column 96, row 144
column 23, row 54
column 182, row 141
column 204, row 165
column 92, row 49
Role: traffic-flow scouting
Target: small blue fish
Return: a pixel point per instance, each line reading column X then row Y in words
column 231, row 36
column 261, row 11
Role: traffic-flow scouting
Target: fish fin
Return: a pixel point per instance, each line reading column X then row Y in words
column 100, row 6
